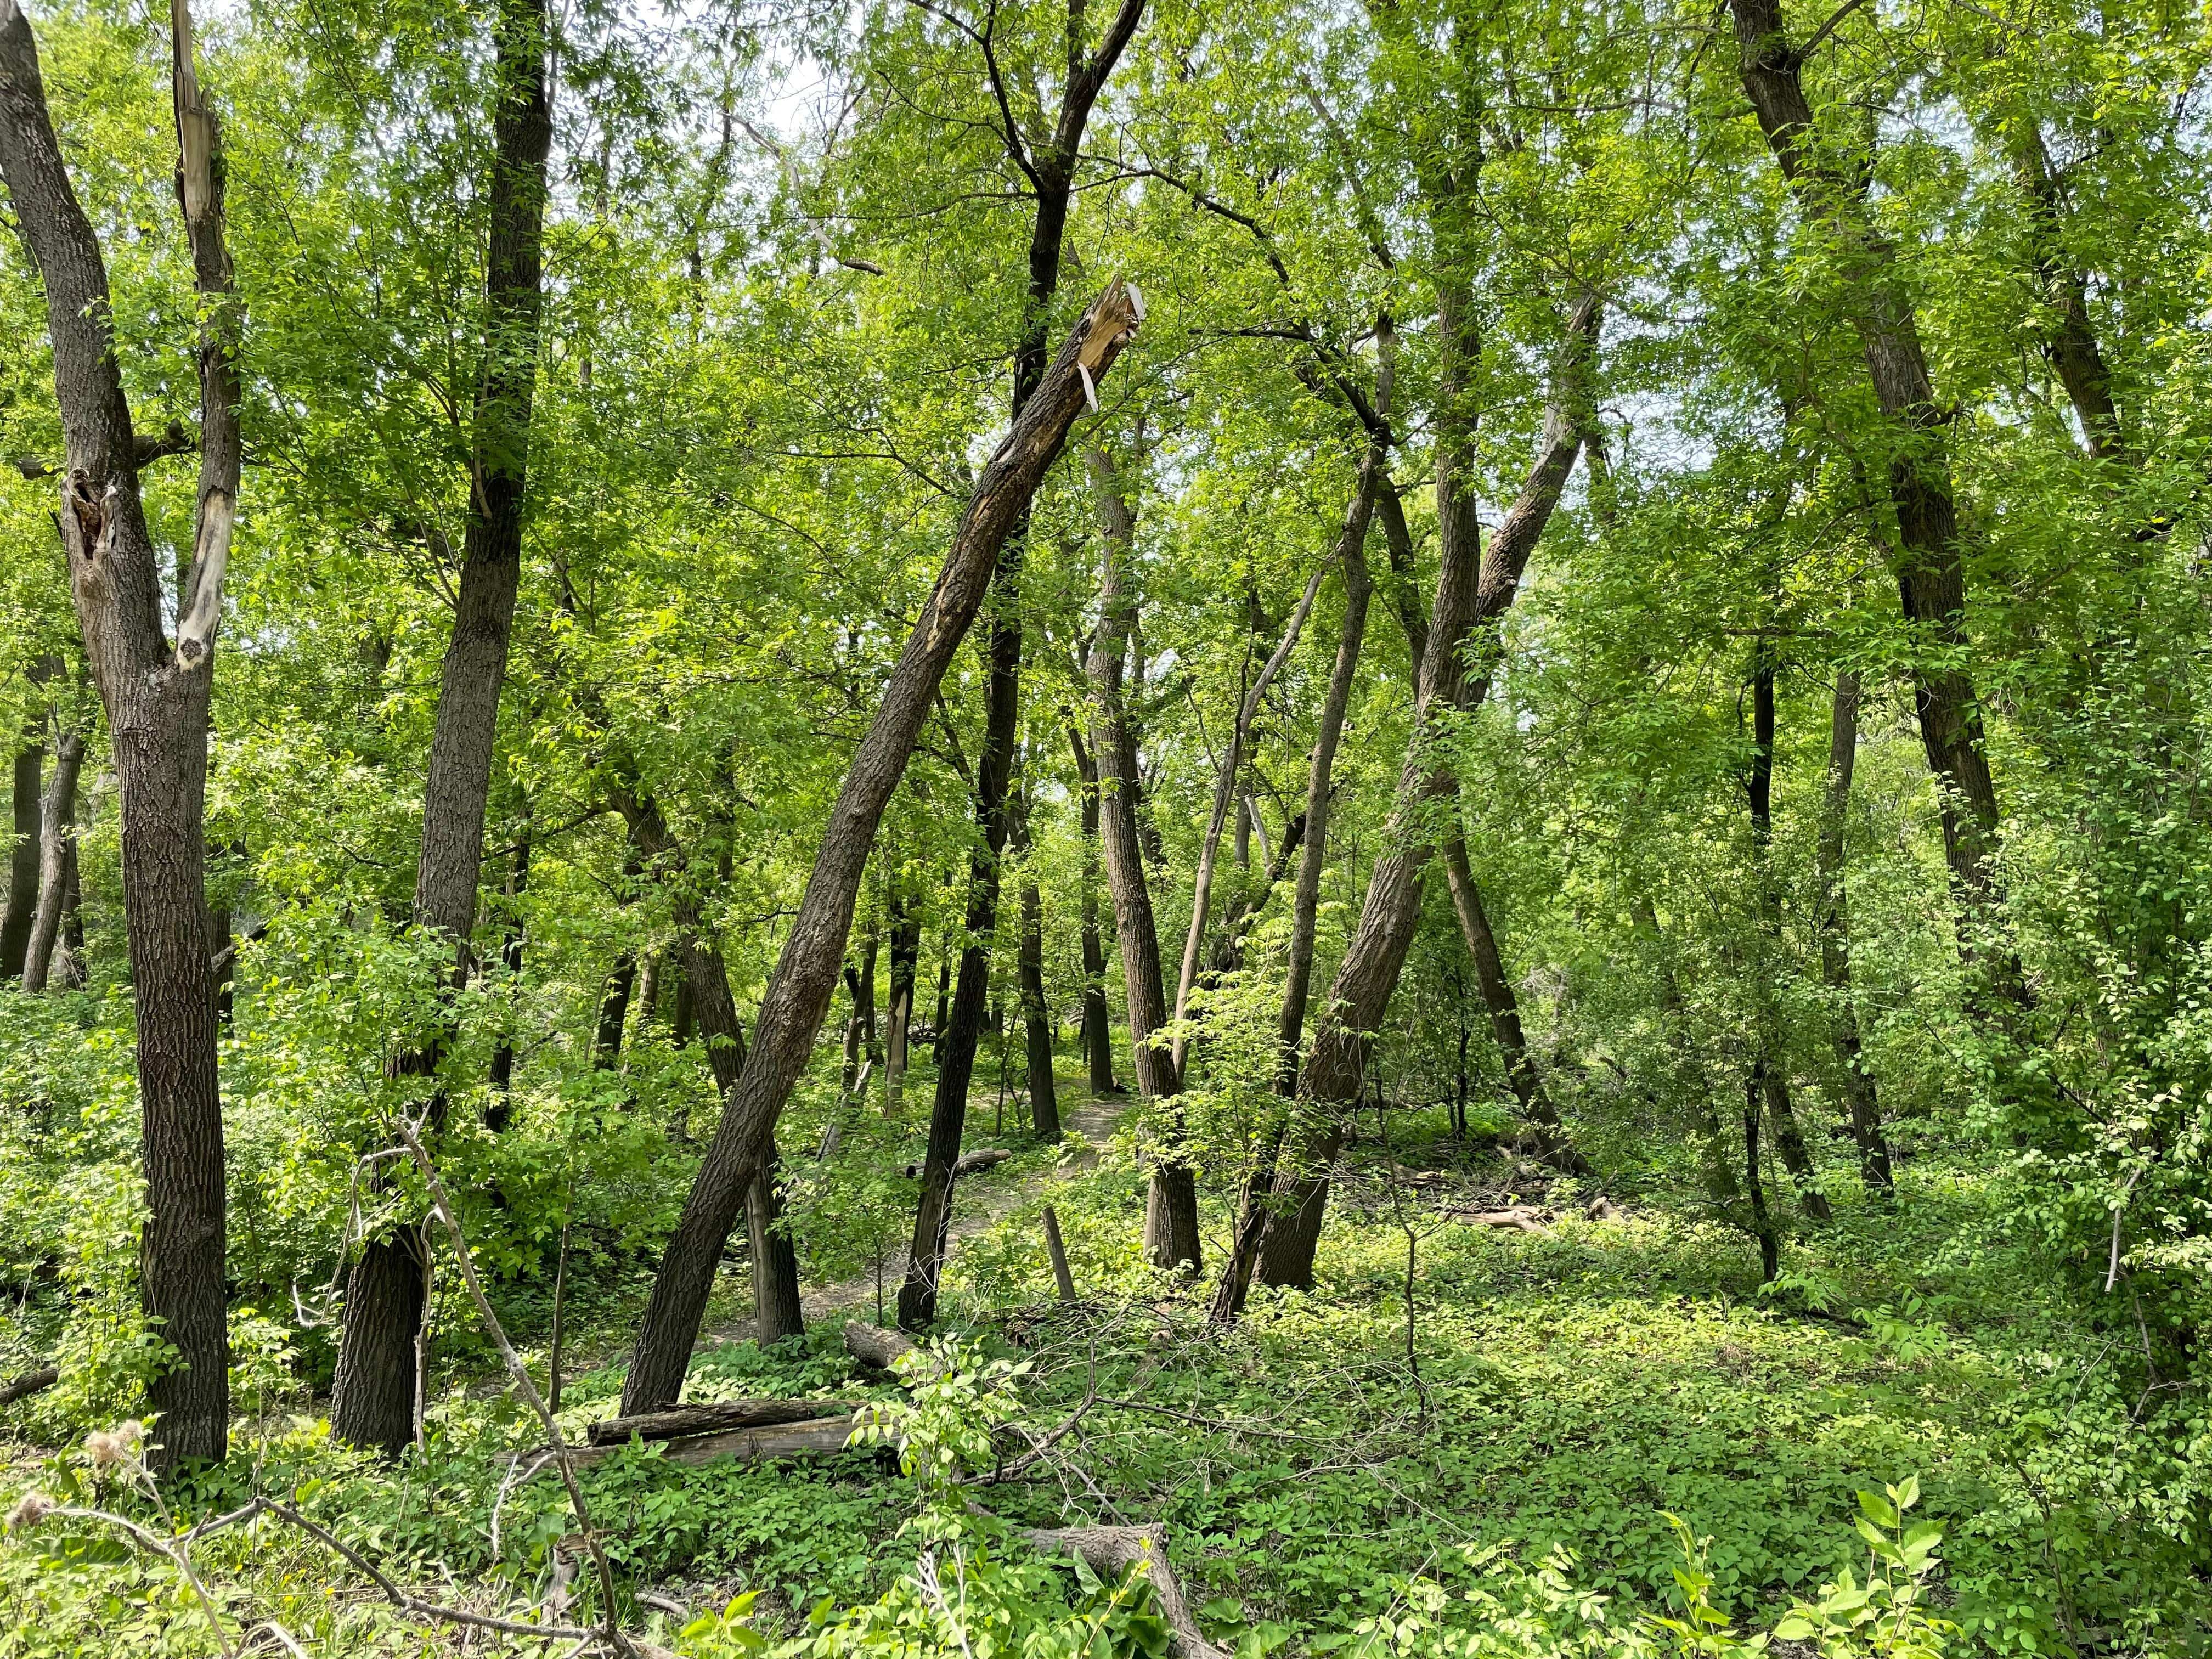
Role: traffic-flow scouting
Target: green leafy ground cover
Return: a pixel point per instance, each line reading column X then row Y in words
column 1565, row 1396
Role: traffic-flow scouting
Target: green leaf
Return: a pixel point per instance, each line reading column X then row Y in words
column 1878, row 1509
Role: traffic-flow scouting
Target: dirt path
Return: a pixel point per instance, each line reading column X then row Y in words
column 977, row 1206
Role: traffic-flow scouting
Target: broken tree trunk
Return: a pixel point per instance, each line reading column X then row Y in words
column 714, row 1417
column 1111, row 1551
column 156, row 688
column 823, row 1437
column 798, row 994
column 871, row 1344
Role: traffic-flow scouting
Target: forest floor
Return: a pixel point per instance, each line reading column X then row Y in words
column 1489, row 1462
column 982, row 1201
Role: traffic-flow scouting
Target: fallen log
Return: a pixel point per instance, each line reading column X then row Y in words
column 1603, row 1208
column 822, row 1437
column 871, row 1344
column 981, row 1158
column 1109, row 1551
column 1524, row 1220
column 712, row 1416
column 29, row 1383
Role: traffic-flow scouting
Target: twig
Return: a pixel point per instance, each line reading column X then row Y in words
column 521, row 1373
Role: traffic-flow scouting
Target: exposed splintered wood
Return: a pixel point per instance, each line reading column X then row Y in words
column 1603, row 1208
column 1111, row 1551
column 812, row 958
column 871, row 1344
column 714, row 1416
column 821, row 1437
column 29, row 1383
column 970, row 1163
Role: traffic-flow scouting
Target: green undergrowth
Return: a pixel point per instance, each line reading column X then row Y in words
column 1503, row 1475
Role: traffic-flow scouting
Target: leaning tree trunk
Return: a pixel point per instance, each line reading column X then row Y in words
column 1050, row 171
column 1835, row 930
column 1773, row 1063
column 374, row 1348
column 1932, row 575
column 23, row 856
column 807, row 973
column 1252, row 1207
column 57, row 818
column 1692, row 1079
column 1471, row 590
column 1171, row 1203
column 157, row 692
column 1503, row 1008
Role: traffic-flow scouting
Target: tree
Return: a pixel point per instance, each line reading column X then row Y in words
column 155, row 690
column 374, row 1399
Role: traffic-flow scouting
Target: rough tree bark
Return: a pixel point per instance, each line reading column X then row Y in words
column 1835, row 929
column 1049, row 167
column 1772, row 1067
column 157, row 692
column 366, row 1407
column 798, row 991
column 1172, row 1205
column 1931, row 578
column 58, row 836
column 1472, row 589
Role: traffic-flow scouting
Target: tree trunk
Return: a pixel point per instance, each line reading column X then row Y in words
column 906, row 960
column 614, row 1012
column 156, row 694
column 58, row 819
column 458, row 786
column 649, row 989
column 1773, row 1061
column 1931, row 577
column 777, row 1309
column 1225, row 793
column 849, row 1074
column 500, row 1110
column 1036, row 1016
column 2069, row 340
column 1097, row 1019
column 1471, row 590
column 24, row 855
column 1762, row 1223
column 1253, row 1203
column 1834, row 923
column 68, row 970
column 798, row 991
column 1171, row 1206
column 1051, row 172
